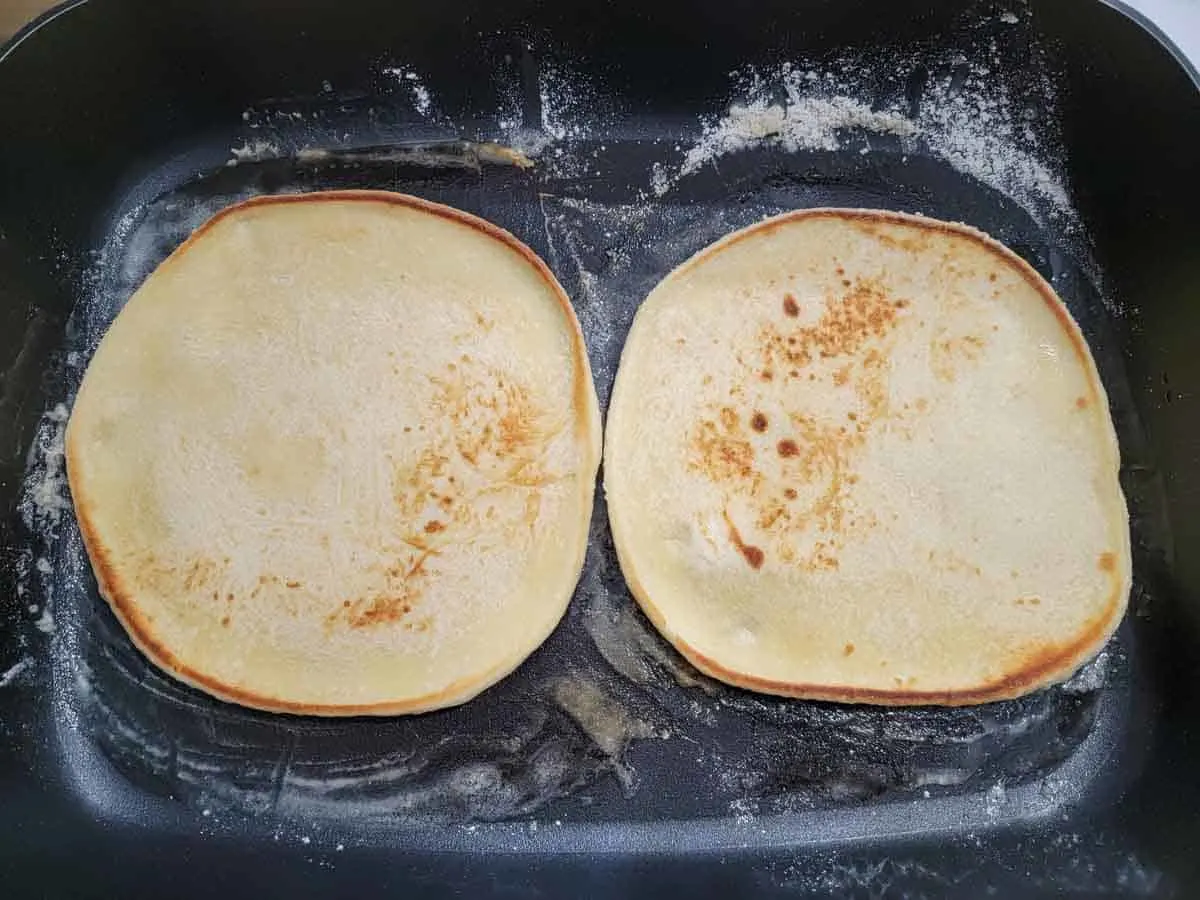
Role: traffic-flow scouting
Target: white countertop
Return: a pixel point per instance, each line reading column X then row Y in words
column 1178, row 19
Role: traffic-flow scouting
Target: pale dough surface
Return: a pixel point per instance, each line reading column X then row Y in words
column 337, row 455
column 862, row 456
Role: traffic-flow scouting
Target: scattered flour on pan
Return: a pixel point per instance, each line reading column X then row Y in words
column 1090, row 677
column 963, row 115
column 803, row 123
column 564, row 104
column 407, row 78
column 980, row 132
column 45, row 497
column 12, row 673
column 569, row 110
column 253, row 151
column 995, row 799
column 45, row 622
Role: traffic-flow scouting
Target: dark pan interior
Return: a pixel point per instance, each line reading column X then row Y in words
column 606, row 763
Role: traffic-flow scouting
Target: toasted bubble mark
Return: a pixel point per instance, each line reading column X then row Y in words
column 753, row 555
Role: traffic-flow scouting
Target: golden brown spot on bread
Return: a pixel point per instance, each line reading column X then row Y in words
column 1081, row 402
column 790, row 306
column 849, row 344
column 1107, row 562
column 911, row 241
column 946, row 353
column 381, row 609
column 951, row 561
column 753, row 555
column 495, row 444
column 292, row 584
column 758, row 422
column 198, row 573
column 720, row 449
column 847, row 650
column 864, row 313
column 225, row 621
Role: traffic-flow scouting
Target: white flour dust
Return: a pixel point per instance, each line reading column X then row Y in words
column 964, row 116
column 570, row 109
column 12, row 673
column 1090, row 677
column 994, row 799
column 801, row 123
column 568, row 104
column 253, row 151
column 410, row 81
column 44, row 507
column 45, row 498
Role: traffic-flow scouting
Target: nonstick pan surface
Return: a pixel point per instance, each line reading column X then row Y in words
column 605, row 764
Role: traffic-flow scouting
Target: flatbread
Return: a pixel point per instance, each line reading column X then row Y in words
column 337, row 456
column 863, row 456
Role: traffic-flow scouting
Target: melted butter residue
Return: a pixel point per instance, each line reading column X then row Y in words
column 603, row 718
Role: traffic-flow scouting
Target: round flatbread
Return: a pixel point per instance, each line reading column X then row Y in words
column 864, row 456
column 337, row 455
